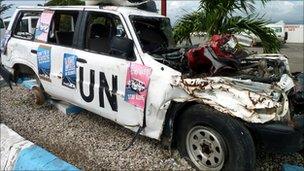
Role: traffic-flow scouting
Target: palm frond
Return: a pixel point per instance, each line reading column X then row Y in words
column 265, row 1
column 229, row 5
column 186, row 25
column 216, row 17
column 255, row 25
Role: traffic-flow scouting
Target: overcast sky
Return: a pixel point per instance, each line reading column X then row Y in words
column 289, row 11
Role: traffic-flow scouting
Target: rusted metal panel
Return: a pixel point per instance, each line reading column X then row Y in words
column 251, row 101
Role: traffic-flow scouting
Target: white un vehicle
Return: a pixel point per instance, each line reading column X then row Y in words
column 122, row 64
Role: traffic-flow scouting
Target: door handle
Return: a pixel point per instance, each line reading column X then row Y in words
column 34, row 51
column 81, row 60
column 59, row 76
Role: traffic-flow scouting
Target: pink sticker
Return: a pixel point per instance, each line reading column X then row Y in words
column 43, row 26
column 137, row 83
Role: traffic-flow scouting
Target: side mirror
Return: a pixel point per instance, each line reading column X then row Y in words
column 122, row 47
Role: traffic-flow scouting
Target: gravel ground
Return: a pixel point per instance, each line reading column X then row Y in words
column 86, row 140
column 91, row 142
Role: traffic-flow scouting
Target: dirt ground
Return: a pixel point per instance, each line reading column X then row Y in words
column 91, row 142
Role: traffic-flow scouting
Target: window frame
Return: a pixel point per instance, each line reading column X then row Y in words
column 82, row 35
column 76, row 29
column 18, row 19
column 132, row 16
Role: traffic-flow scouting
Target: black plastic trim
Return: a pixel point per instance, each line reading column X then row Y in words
column 278, row 136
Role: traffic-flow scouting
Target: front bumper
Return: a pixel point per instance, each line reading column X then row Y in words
column 280, row 137
column 6, row 75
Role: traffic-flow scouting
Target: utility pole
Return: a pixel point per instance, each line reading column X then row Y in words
column 164, row 7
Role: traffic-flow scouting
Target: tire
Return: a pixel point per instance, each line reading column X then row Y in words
column 39, row 97
column 211, row 140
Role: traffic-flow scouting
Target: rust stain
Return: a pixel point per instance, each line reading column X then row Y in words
column 245, row 99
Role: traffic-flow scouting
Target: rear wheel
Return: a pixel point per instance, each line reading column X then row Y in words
column 211, row 140
column 38, row 95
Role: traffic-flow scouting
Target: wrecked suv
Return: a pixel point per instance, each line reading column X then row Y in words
column 214, row 103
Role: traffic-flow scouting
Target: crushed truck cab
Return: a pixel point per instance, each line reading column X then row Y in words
column 214, row 103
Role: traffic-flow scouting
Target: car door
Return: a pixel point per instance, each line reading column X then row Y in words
column 59, row 51
column 19, row 44
column 101, row 76
column 63, row 59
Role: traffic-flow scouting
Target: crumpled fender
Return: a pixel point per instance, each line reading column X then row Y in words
column 253, row 102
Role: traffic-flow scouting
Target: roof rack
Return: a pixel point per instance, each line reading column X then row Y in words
column 46, row 7
column 147, row 5
column 129, row 3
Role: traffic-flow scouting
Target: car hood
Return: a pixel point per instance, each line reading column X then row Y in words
column 253, row 102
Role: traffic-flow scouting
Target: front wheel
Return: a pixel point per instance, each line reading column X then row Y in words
column 211, row 140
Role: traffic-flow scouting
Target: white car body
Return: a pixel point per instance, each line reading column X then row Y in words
column 161, row 89
column 127, row 114
column 102, row 79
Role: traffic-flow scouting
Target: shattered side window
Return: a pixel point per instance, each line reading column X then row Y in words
column 154, row 33
column 101, row 28
column 22, row 28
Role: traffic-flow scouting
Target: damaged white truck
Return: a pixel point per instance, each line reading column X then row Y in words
column 214, row 103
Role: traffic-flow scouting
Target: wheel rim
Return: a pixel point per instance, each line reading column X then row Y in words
column 205, row 148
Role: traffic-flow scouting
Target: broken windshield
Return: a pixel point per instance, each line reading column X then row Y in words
column 153, row 33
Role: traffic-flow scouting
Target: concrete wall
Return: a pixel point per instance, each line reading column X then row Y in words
column 295, row 33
